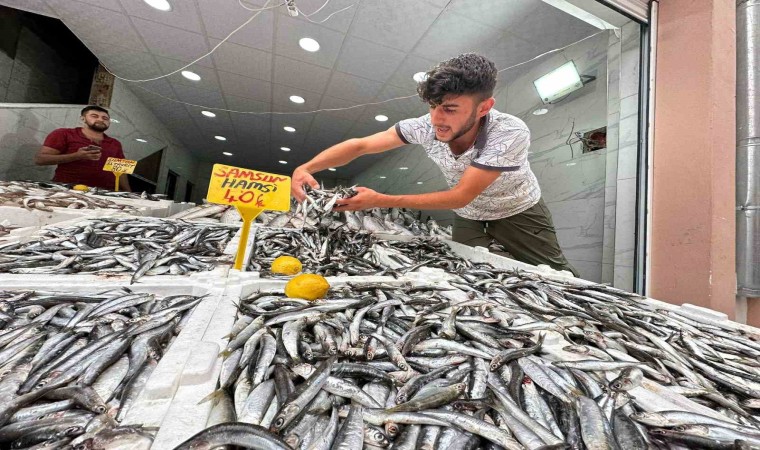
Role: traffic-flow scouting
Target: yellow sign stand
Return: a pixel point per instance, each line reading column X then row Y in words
column 250, row 192
column 119, row 167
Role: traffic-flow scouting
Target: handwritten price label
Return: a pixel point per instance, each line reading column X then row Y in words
column 120, row 165
column 246, row 188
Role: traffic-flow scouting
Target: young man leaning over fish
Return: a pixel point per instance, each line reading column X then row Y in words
column 483, row 154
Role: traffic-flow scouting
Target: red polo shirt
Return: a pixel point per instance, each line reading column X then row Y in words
column 88, row 172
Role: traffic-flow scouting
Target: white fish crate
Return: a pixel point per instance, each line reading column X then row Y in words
column 189, row 361
column 30, row 221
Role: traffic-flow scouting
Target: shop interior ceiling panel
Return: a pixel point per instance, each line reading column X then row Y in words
column 369, row 53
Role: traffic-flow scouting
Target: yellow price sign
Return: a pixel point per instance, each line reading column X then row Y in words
column 119, row 166
column 250, row 191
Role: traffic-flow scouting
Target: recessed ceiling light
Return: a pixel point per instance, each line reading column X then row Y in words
column 309, row 44
column 296, row 99
column 381, row 118
column 403, row 168
column 191, row 75
column 383, row 177
column 332, row 169
column 220, row 138
column 285, row 149
column 283, row 162
column 208, row 114
column 540, row 112
column 162, row 5
column 226, row 153
column 114, row 121
column 419, row 182
column 289, row 129
column 420, row 77
column 140, row 140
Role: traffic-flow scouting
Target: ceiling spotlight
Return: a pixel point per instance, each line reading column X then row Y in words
column 226, row 153
column 540, row 112
column 283, row 162
column 289, row 129
column 161, row 5
column 191, row 75
column 382, row 177
column 381, row 118
column 220, row 138
column 309, row 44
column 296, row 99
column 285, row 149
column 140, row 140
column 420, row 77
column 114, row 121
column 403, row 168
column 419, row 182
column 332, row 169
column 208, row 114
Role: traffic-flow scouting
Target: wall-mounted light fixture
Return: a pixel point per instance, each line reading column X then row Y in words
column 560, row 82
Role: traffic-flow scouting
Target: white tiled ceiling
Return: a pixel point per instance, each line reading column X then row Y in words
column 368, row 54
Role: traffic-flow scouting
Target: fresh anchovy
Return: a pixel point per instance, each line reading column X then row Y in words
column 239, row 434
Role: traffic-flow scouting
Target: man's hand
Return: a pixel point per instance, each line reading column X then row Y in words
column 299, row 179
column 90, row 152
column 364, row 199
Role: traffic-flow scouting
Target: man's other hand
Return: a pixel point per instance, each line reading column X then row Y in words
column 364, row 199
column 300, row 179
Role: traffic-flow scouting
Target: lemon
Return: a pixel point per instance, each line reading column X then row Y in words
column 286, row 265
column 307, row 286
column 81, row 187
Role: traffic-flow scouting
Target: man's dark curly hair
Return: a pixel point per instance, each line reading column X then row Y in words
column 467, row 74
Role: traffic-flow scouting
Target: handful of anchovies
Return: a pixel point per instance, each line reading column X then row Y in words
column 119, row 245
column 72, row 364
column 493, row 359
column 45, row 196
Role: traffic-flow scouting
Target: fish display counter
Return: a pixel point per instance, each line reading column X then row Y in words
column 487, row 357
column 418, row 343
column 81, row 361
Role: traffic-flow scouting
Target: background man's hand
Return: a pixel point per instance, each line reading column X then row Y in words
column 364, row 199
column 90, row 152
column 299, row 179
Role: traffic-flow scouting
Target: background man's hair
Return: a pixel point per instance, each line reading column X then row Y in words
column 94, row 108
column 467, row 74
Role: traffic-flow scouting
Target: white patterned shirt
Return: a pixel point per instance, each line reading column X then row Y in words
column 502, row 144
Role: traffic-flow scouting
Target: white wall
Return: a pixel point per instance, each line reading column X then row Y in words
column 23, row 128
column 579, row 189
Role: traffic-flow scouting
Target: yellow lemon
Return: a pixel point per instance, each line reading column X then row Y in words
column 307, row 286
column 286, row 265
column 81, row 187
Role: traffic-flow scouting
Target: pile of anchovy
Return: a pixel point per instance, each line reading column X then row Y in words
column 72, row 364
column 316, row 212
column 119, row 245
column 129, row 195
column 493, row 359
column 44, row 196
column 344, row 252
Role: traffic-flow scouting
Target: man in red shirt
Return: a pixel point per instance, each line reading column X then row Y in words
column 81, row 153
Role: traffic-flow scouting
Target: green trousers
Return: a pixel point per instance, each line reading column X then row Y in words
column 528, row 237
